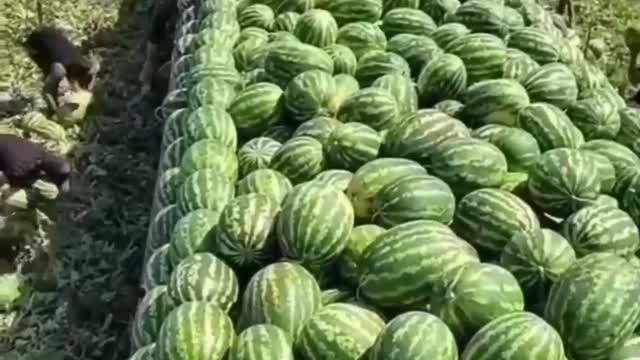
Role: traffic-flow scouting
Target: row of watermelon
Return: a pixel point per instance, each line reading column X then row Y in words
column 313, row 221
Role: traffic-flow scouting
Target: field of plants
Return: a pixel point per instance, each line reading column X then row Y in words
column 348, row 179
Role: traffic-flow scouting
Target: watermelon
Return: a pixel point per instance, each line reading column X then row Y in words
column 537, row 258
column 513, row 19
column 375, row 64
column 344, row 60
column 538, row 44
column 563, row 181
column 605, row 284
column 286, row 59
column 550, row 126
column 483, row 17
column 362, row 37
column 600, row 228
column 346, row 85
column 195, row 331
column 192, row 234
column 299, row 159
column 265, row 181
column 244, row 232
column 256, row 107
column 210, row 122
column 318, row 128
column 253, row 33
column 302, row 226
column 309, row 95
column 628, row 350
column 286, row 21
column 491, row 217
column 553, row 83
column 418, row 197
column 441, row 10
column 257, row 15
column 625, row 161
column 518, row 65
column 402, row 88
column 256, row 154
column 595, row 118
column 150, row 313
column 282, row 294
column 162, row 225
column 606, row 171
column 411, row 256
column 156, row 270
column 339, row 331
column 483, row 54
column 350, row 259
column 282, row 6
column 447, row 33
column 415, row 49
column 249, row 55
column 166, row 186
column 407, row 21
column 473, row 295
column 316, row 27
column 467, row 164
column 350, row 11
column 337, row 178
column 172, row 129
column 173, row 154
column 518, row 335
column 388, row 5
column 211, row 91
column 204, row 277
column 588, row 76
column 493, row 102
column 449, row 107
column 210, row 154
column 351, row 145
column 518, row 146
column 445, row 77
column 262, row 342
column 374, row 106
column 373, row 176
column 397, row 340
column 205, row 189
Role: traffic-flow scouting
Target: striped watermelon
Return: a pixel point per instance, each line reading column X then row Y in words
column 167, row 185
column 211, row 91
column 150, row 313
column 195, row 331
column 553, row 83
column 407, row 21
column 351, row 145
column 346, row 85
column 316, row 27
column 420, row 134
column 595, row 118
column 286, row 21
column 282, row 294
column 249, row 55
column 253, row 33
column 550, row 126
column 494, row 102
column 415, row 49
column 605, row 284
column 601, row 228
column 162, row 225
column 588, row 76
column 518, row 146
column 244, row 232
column 349, row 262
column 299, row 159
column 173, row 154
column 339, row 331
column 144, row 353
column 350, row 11
column 344, row 60
column 483, row 16
column 192, row 234
column 513, row 19
column 608, row 94
column 625, row 161
column 629, row 350
column 491, row 217
column 362, row 37
column 204, row 277
column 418, row 197
column 265, row 181
column 257, row 15
column 373, row 176
column 606, row 171
column 337, row 178
column 388, row 5
column 483, row 54
column 318, row 128
column 398, row 339
column 449, row 107
column 447, row 33
column 314, row 224
column 262, row 342
column 518, row 65
column 209, row 154
column 374, row 106
column 412, row 256
column 205, row 189
column 563, row 181
column 403, row 89
column 256, row 154
column 223, row 71
column 282, row 36
column 441, row 10
column 473, row 295
column 281, row 6
column 536, row 43
column 172, row 129
column 375, row 64
column 537, row 258
column 286, row 59
column 156, row 269
column 518, row 335
column 256, row 107
column 467, row 164
column 445, row 77
column 309, row 95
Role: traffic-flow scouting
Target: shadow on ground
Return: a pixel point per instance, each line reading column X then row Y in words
column 100, row 230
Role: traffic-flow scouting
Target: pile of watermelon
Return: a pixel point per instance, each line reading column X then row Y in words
column 390, row 180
